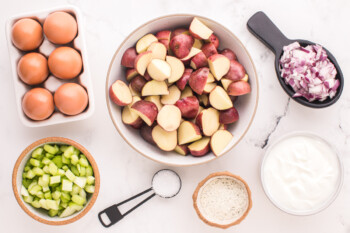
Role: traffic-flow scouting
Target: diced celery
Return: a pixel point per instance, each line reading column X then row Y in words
column 64, row 204
column 46, row 168
column 38, row 171
column 49, row 156
column 63, row 148
column 53, row 212
column 47, row 195
column 65, row 160
column 76, row 189
column 90, row 188
column 36, row 204
column 82, row 171
column 61, row 172
column 68, row 152
column 74, row 170
column 43, row 204
column 44, row 180
column 34, row 162
column 38, row 153
column 56, row 195
column 78, row 199
column 83, row 162
column 51, row 149
column 65, row 197
column 40, row 194
column 31, row 185
column 75, row 206
column 80, row 181
column 46, row 161
column 28, row 199
column 24, row 191
column 90, row 180
column 74, row 159
column 55, row 179
column 67, row 185
column 46, row 188
column 35, row 189
column 76, row 151
column 53, row 169
column 52, row 204
column 58, row 161
column 82, row 193
column 67, row 212
column 70, row 175
column 89, row 171
column 27, row 168
column 26, row 182
column 30, row 174
column 65, row 167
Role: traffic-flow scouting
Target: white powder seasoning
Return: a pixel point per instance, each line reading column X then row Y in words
column 166, row 183
column 223, row 199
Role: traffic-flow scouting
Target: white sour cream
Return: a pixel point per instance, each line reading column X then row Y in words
column 301, row 174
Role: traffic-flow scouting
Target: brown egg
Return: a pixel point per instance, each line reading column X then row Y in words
column 38, row 104
column 27, row 34
column 32, row 68
column 65, row 63
column 60, row 27
column 71, row 98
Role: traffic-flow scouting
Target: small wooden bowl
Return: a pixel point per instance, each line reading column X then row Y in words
column 39, row 214
column 203, row 182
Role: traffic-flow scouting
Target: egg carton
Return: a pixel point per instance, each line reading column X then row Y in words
column 51, row 83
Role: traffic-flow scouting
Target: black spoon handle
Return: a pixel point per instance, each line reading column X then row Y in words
column 113, row 212
column 266, row 31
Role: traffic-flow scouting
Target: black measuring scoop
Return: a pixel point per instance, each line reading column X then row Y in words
column 267, row 32
column 161, row 182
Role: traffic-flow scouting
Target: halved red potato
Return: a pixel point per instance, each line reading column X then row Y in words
column 199, row 30
column 120, row 93
column 172, row 97
column 188, row 132
column 146, row 110
column 165, row 140
column 169, row 117
column 200, row 147
column 208, row 121
column 155, row 87
column 219, row 141
column 145, row 41
column 219, row 99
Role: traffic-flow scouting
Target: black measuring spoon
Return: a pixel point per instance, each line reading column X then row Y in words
column 267, row 32
column 112, row 214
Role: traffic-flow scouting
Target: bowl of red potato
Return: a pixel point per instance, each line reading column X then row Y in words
column 182, row 90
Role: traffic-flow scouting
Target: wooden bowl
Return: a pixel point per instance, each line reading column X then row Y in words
column 246, row 105
column 39, row 214
column 202, row 184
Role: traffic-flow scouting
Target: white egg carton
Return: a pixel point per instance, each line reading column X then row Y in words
column 52, row 83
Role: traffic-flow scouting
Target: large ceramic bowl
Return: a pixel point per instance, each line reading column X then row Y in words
column 39, row 214
column 246, row 105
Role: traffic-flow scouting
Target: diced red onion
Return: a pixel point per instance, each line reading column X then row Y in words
column 309, row 72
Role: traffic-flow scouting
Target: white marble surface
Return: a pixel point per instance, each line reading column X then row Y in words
column 124, row 172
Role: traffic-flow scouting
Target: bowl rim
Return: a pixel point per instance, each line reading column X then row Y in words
column 110, row 109
column 217, row 175
column 331, row 198
column 55, row 140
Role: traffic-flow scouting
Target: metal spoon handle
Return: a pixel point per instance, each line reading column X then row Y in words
column 113, row 213
column 266, row 31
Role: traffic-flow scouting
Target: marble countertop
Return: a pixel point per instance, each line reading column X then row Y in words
column 124, row 172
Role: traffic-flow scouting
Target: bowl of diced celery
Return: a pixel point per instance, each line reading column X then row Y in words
column 56, row 181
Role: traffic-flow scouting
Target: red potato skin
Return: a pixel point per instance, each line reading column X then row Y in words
column 147, row 76
column 228, row 116
column 182, row 82
column 188, row 106
column 200, row 153
column 130, row 73
column 214, row 40
column 163, row 35
column 184, row 148
column 179, row 31
column 147, row 108
column 238, row 88
column 137, row 83
column 199, row 61
column 114, row 98
column 209, row 49
column 229, row 54
column 198, row 79
column 137, row 124
column 146, row 134
column 129, row 56
column 236, row 71
column 199, row 120
column 181, row 45
column 165, row 43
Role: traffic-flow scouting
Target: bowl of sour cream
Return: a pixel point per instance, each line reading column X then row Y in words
column 301, row 173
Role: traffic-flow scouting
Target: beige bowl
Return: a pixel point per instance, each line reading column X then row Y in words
column 39, row 214
column 246, row 105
